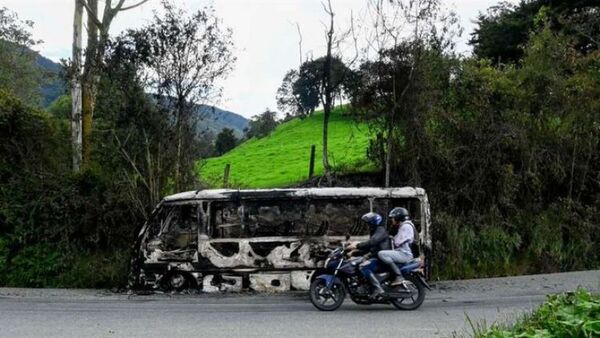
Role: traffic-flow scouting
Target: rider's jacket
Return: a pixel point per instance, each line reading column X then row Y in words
column 379, row 240
column 404, row 238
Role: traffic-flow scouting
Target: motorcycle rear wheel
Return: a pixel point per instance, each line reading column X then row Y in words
column 326, row 299
column 413, row 302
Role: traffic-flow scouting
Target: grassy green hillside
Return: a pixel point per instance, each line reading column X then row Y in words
column 282, row 158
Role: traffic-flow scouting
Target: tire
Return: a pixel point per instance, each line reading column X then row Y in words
column 320, row 297
column 412, row 303
column 176, row 281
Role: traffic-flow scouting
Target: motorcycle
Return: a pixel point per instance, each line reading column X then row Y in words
column 342, row 275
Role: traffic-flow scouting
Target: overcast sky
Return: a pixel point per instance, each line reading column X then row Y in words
column 264, row 31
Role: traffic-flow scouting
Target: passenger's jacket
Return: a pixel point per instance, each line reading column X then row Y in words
column 378, row 241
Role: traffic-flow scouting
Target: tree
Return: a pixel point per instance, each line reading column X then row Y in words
column 19, row 74
column 76, row 107
column 503, row 31
column 288, row 100
column 186, row 55
column 61, row 107
column 301, row 92
column 84, row 85
column 262, row 124
column 137, row 147
column 396, row 91
column 225, row 141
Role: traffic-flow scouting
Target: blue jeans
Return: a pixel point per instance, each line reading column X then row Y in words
column 369, row 267
column 391, row 257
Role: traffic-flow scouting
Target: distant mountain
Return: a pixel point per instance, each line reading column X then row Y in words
column 213, row 119
column 53, row 86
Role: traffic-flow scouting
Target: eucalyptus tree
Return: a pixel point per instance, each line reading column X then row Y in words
column 85, row 78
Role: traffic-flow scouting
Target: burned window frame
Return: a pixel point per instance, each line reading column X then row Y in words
column 158, row 225
column 413, row 204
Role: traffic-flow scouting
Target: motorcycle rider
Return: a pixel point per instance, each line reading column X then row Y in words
column 401, row 251
column 378, row 240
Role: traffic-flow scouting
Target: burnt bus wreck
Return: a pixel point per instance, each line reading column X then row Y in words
column 262, row 240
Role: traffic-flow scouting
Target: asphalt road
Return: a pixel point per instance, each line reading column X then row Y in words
column 97, row 313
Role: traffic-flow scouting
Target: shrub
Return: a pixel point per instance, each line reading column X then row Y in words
column 57, row 228
column 36, row 265
column 574, row 314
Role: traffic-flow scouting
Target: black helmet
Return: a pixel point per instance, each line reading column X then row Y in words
column 372, row 218
column 399, row 214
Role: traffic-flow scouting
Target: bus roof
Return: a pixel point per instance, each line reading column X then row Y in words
column 226, row 194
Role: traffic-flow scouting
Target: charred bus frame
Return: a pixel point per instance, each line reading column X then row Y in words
column 220, row 240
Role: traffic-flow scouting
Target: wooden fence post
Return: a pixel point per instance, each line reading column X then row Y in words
column 311, row 168
column 226, row 175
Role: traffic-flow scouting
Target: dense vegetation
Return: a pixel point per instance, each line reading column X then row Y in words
column 516, row 152
column 564, row 315
column 503, row 32
column 60, row 227
column 56, row 229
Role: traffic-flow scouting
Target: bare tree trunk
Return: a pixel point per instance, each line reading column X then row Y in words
column 390, row 132
column 388, row 156
column 76, row 129
column 88, row 87
column 327, row 105
column 299, row 45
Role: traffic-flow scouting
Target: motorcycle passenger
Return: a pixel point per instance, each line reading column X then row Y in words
column 401, row 251
column 378, row 240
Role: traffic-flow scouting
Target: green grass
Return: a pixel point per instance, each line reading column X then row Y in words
column 574, row 314
column 282, row 158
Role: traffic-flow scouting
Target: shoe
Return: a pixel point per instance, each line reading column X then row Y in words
column 376, row 293
column 398, row 281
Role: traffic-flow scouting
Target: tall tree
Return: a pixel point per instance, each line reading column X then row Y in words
column 76, row 132
column 188, row 54
column 97, row 38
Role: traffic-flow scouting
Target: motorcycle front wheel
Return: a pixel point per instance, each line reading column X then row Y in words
column 415, row 297
column 326, row 299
